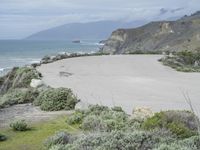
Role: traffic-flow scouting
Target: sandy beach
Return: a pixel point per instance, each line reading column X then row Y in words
column 124, row 80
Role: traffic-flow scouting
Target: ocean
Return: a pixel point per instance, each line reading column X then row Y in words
column 24, row 52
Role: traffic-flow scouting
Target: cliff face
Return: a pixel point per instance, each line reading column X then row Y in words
column 157, row 36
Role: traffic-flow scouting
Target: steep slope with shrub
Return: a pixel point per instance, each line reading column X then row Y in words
column 157, row 36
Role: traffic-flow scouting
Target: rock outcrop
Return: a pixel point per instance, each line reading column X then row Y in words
column 157, row 36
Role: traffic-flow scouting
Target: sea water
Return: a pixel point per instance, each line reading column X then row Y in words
column 22, row 52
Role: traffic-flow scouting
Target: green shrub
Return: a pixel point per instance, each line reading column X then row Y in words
column 192, row 143
column 59, row 138
column 100, row 118
column 173, row 146
column 93, row 123
column 2, row 137
column 181, row 123
column 18, row 96
column 136, row 140
column 59, row 147
column 56, row 99
column 18, row 78
column 185, row 61
column 180, row 130
column 96, row 109
column 75, row 118
column 24, row 76
column 104, row 119
column 19, row 125
column 117, row 108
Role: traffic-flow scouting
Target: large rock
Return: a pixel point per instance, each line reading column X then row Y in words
column 81, row 105
column 142, row 113
column 35, row 83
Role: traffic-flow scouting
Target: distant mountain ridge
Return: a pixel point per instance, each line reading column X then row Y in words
column 157, row 36
column 78, row 31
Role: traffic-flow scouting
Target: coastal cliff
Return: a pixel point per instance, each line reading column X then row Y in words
column 157, row 36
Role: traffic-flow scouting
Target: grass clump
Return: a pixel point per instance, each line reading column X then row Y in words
column 19, row 125
column 56, row 99
column 180, row 123
column 18, row 96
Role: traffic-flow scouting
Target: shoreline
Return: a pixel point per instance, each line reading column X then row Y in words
column 139, row 72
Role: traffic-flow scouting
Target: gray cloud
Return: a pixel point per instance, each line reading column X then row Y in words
column 19, row 18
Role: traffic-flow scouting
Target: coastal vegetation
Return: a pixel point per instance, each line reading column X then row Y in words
column 185, row 61
column 19, row 125
column 34, row 138
column 56, row 99
column 106, row 128
column 18, row 96
column 15, row 88
column 101, row 127
column 18, row 77
column 145, row 52
column 51, row 59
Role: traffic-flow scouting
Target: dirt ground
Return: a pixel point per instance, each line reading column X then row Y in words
column 27, row 112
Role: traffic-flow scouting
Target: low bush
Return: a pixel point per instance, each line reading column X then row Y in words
column 59, row 147
column 56, row 99
column 181, row 123
column 117, row 108
column 2, row 137
column 100, row 118
column 185, row 61
column 18, row 96
column 111, row 129
column 24, row 76
column 19, row 125
column 76, row 118
column 192, row 143
column 172, row 146
column 59, row 138
column 135, row 140
column 145, row 52
column 96, row 109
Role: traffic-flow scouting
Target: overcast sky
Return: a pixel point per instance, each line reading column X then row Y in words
column 20, row 18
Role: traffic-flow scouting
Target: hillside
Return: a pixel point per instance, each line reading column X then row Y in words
column 91, row 30
column 157, row 36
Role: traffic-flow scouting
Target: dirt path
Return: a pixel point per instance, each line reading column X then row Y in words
column 126, row 80
column 27, row 112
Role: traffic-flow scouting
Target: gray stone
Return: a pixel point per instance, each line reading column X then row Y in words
column 35, row 83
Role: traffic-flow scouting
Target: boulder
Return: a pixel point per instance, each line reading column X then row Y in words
column 142, row 113
column 35, row 83
column 81, row 105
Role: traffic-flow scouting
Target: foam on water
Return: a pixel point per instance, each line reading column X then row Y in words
column 23, row 52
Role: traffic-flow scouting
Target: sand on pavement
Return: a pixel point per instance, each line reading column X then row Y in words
column 124, row 80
